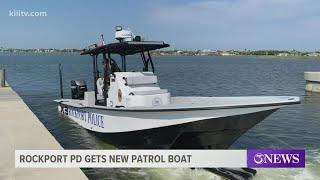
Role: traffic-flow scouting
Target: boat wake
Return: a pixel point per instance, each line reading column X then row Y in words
column 311, row 172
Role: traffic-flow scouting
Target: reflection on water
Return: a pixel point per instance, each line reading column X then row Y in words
column 35, row 78
column 312, row 100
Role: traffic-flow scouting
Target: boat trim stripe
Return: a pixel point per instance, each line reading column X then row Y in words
column 188, row 109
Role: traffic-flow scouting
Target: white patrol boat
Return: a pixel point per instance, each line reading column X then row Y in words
column 130, row 110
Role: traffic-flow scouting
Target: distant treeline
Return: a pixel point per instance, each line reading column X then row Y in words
column 271, row 52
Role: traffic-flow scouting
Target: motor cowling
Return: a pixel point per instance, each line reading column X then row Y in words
column 78, row 87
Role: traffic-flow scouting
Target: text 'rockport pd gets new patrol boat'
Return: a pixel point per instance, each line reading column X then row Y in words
column 130, row 110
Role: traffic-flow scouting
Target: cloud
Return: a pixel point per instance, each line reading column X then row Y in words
column 244, row 23
column 219, row 12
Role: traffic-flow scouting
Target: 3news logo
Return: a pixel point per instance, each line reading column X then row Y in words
column 276, row 158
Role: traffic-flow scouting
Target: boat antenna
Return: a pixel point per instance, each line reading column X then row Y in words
column 103, row 43
column 60, row 77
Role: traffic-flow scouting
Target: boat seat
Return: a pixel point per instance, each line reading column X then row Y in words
column 138, row 80
column 100, row 86
column 150, row 92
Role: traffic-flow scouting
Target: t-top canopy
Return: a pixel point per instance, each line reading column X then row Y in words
column 126, row 48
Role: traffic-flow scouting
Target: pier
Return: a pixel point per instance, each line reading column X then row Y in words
column 312, row 81
column 20, row 129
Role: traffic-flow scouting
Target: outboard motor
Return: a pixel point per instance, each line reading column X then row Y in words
column 78, row 87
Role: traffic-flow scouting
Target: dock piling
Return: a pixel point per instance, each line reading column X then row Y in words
column 2, row 77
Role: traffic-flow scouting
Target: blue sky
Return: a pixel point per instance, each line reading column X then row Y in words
column 189, row 24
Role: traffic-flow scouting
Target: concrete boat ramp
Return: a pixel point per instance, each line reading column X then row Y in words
column 20, row 129
column 313, row 81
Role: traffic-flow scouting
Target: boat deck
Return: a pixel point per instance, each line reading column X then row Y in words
column 185, row 103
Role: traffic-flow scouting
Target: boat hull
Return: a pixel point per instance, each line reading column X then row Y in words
column 192, row 129
column 217, row 133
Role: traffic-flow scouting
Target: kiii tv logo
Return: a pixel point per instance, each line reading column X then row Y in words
column 276, row 158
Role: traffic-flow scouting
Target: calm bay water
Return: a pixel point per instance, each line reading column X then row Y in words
column 35, row 78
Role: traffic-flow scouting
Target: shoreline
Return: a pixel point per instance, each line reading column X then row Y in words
column 174, row 55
